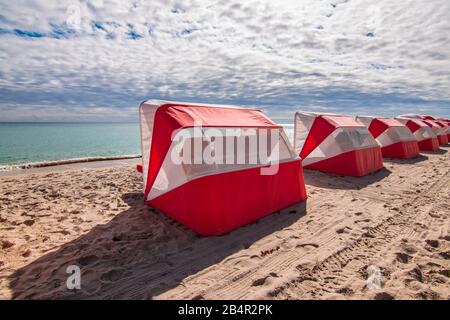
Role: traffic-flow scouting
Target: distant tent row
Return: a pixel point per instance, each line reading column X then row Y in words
column 425, row 137
column 336, row 144
column 214, row 168
column 440, row 129
column 395, row 139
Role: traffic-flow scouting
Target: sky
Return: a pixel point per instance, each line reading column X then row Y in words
column 97, row 60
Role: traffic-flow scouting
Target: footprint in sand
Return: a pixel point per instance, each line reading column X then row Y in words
column 445, row 255
column 343, row 230
column 5, row 244
column 84, row 261
column 264, row 280
column 307, row 246
column 29, row 222
column 345, row 291
column 430, row 244
column 383, row 296
column 403, row 257
column 26, row 253
column 112, row 275
column 269, row 251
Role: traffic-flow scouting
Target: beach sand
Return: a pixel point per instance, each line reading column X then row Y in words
column 394, row 223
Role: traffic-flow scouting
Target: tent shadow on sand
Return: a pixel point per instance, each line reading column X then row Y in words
column 139, row 254
column 438, row 151
column 333, row 181
column 419, row 158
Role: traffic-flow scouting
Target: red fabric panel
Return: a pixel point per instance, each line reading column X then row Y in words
column 342, row 121
column 377, row 127
column 320, row 129
column 353, row 163
column 139, row 168
column 401, row 150
column 217, row 204
column 414, row 125
column 443, row 140
column 429, row 123
column 440, row 124
column 431, row 144
column 185, row 116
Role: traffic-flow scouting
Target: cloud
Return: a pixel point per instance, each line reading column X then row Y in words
column 87, row 58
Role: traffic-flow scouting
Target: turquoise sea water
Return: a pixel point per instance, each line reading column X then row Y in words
column 40, row 142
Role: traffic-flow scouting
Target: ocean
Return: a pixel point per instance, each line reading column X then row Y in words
column 28, row 143
column 23, row 143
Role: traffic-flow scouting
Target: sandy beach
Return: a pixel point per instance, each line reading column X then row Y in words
column 396, row 221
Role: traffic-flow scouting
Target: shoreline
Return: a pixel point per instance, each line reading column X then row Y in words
column 49, row 163
column 68, row 164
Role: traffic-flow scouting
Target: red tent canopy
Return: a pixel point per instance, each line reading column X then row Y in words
column 215, row 197
column 394, row 138
column 336, row 144
column 425, row 137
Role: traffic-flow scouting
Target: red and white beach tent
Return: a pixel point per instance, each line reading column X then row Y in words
column 438, row 129
column 211, row 197
column 335, row 143
column 425, row 137
column 446, row 127
column 446, row 122
column 394, row 138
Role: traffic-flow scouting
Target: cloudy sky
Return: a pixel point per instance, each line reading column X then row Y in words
column 96, row 60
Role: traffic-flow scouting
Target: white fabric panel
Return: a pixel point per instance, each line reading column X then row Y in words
column 302, row 125
column 286, row 143
column 366, row 120
column 424, row 133
column 393, row 135
column 146, row 116
column 402, row 120
column 169, row 177
column 446, row 129
column 438, row 130
column 174, row 172
column 340, row 141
